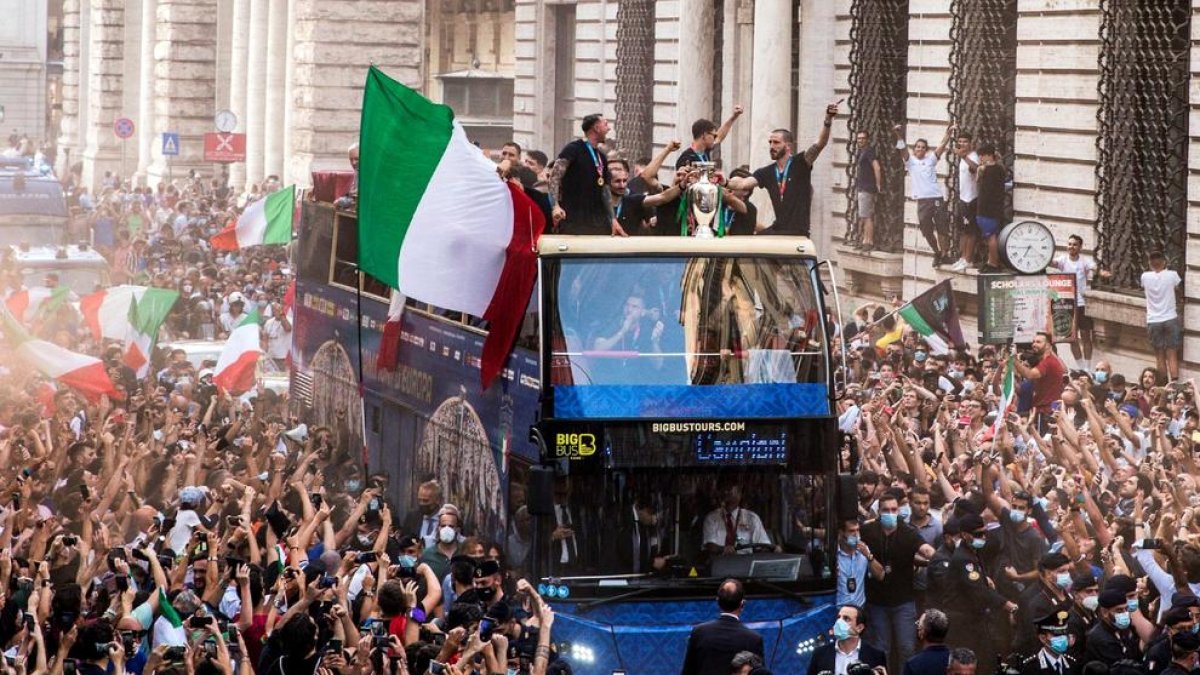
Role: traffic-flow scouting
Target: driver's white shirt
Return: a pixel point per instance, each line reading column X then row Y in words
column 749, row 526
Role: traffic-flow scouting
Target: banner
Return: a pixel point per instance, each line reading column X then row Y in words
column 1015, row 307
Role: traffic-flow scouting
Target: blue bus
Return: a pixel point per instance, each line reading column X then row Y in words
column 657, row 383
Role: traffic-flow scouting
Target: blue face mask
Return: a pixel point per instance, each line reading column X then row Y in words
column 1196, row 628
column 407, row 561
column 852, row 541
column 841, row 629
column 906, row 512
column 1131, row 605
column 1063, row 580
column 1101, row 377
column 888, row 520
column 978, row 543
column 1017, row 516
column 1121, row 620
column 1059, row 644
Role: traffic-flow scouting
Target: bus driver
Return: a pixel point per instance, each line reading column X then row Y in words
column 730, row 529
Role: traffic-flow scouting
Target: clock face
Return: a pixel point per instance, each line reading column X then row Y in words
column 225, row 121
column 1028, row 246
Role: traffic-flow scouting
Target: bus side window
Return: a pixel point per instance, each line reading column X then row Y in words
column 345, row 252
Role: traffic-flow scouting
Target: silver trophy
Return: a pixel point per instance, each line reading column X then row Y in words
column 702, row 197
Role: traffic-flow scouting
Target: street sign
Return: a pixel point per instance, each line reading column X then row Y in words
column 170, row 144
column 123, row 128
column 224, row 147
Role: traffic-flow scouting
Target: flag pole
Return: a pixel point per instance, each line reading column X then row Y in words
column 362, row 387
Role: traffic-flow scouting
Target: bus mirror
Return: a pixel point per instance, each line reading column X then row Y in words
column 847, row 497
column 541, row 491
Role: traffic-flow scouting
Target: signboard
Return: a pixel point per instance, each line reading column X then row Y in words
column 170, row 144
column 221, row 147
column 1017, row 307
column 123, row 128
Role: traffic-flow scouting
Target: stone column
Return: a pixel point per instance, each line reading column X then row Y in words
column 276, row 69
column 289, row 94
column 105, row 84
column 185, row 82
column 145, row 114
column 256, row 79
column 771, row 105
column 237, row 81
column 817, row 31
column 333, row 49
column 68, row 138
column 696, row 59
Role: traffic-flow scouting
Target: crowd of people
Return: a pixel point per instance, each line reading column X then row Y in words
column 174, row 528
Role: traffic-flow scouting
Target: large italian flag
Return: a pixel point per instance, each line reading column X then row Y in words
column 434, row 219
column 106, row 312
column 84, row 373
column 146, row 315
column 27, row 303
column 266, row 221
column 235, row 367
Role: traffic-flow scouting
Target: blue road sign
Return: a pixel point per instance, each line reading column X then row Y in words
column 170, row 144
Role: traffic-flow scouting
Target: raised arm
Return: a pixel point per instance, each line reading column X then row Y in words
column 724, row 130
column 941, row 148
column 901, row 146
column 814, row 150
column 650, row 171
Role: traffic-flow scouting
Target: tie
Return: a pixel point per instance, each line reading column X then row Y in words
column 730, row 530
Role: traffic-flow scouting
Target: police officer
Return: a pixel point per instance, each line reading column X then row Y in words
column 1112, row 639
column 1055, row 642
column 1042, row 599
column 937, row 576
column 1176, row 621
column 973, row 604
column 1085, row 598
column 1183, row 653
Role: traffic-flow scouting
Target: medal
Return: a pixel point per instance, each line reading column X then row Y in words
column 597, row 163
column 600, row 182
column 973, row 576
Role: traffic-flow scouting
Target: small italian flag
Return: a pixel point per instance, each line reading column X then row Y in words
column 436, row 222
column 106, row 312
column 1006, row 396
column 934, row 316
column 168, row 610
column 936, row 344
column 146, row 315
column 25, row 304
column 266, row 221
column 235, row 367
column 84, row 373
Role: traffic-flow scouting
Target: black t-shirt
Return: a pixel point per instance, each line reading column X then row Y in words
column 866, row 172
column 668, row 219
column 792, row 207
column 741, row 223
column 630, row 214
column 895, row 552
column 583, row 187
column 991, row 191
column 690, row 156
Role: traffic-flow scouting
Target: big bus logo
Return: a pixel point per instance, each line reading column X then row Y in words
column 574, row 446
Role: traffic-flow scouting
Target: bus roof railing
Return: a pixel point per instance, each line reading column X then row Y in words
column 554, row 245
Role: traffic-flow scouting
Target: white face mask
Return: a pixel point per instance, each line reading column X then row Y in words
column 447, row 535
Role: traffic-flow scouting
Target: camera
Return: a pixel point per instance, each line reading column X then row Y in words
column 858, row 668
column 70, row 540
column 174, row 655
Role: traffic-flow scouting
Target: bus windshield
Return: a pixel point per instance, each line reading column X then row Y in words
column 684, row 337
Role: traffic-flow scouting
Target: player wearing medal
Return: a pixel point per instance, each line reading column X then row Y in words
column 788, row 179
column 579, row 182
column 973, row 604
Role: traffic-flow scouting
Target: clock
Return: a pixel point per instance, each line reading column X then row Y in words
column 1027, row 246
column 225, row 121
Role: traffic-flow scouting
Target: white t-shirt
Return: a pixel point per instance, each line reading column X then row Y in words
column 279, row 339
column 924, row 176
column 968, row 182
column 1081, row 269
column 1160, row 294
column 748, row 525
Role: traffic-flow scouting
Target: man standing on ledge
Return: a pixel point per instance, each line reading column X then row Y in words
column 579, row 184
column 712, row 645
column 788, row 180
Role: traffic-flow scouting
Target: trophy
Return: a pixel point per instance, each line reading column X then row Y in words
column 703, row 198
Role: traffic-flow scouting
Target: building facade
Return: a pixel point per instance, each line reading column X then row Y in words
column 25, row 106
column 1089, row 102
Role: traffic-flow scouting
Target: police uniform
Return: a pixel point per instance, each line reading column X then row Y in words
column 1107, row 643
column 972, row 604
column 1187, row 644
column 1047, row 661
column 1158, row 652
column 1080, row 619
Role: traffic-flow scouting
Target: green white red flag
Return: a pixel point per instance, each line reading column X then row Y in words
column 86, row 374
column 436, row 222
column 1006, row 396
column 266, row 221
column 146, row 316
column 106, row 312
column 28, row 303
column 235, row 367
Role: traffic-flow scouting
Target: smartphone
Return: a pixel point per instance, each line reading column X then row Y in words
column 379, row 635
column 68, row 666
column 373, row 505
column 327, row 581
column 16, row 501
column 1152, row 544
column 172, row 655
column 199, row 621
column 315, row 498
column 334, row 646
column 233, row 521
column 122, row 582
column 486, row 626
column 70, row 540
column 366, row 557
column 84, row 491
column 436, row 668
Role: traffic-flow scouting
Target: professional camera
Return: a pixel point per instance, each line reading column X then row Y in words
column 859, row 668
